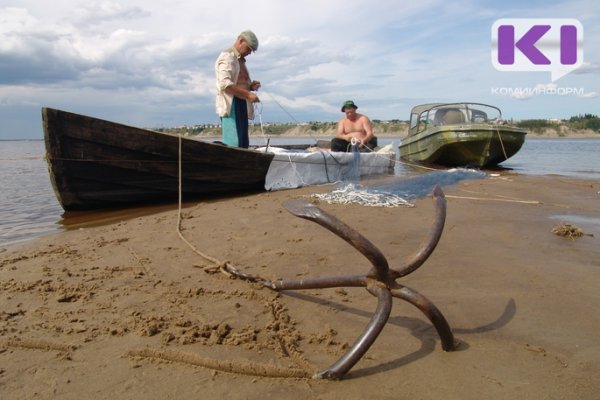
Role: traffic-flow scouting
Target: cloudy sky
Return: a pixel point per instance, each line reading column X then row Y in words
column 150, row 63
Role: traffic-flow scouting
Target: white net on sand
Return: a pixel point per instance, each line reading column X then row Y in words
column 354, row 194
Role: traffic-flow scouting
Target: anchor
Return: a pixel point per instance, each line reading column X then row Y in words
column 380, row 281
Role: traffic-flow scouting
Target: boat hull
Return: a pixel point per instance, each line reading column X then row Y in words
column 468, row 146
column 95, row 163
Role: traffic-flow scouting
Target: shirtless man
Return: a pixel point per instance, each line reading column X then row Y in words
column 353, row 126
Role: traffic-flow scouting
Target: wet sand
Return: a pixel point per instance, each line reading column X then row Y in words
column 129, row 310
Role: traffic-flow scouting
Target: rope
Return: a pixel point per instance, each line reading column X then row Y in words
column 287, row 112
column 36, row 344
column 280, row 106
column 492, row 199
column 501, row 142
column 227, row 366
column 258, row 111
column 237, row 367
column 213, row 260
column 418, row 165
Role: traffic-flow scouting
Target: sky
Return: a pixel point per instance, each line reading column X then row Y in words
column 150, row 63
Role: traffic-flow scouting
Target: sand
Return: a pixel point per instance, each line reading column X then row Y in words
column 127, row 309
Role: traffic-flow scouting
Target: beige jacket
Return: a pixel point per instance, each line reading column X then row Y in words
column 227, row 68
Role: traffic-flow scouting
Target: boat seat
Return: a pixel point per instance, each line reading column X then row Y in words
column 453, row 116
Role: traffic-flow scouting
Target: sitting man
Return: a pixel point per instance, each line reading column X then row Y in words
column 354, row 128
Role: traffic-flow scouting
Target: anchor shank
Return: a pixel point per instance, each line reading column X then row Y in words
column 318, row 283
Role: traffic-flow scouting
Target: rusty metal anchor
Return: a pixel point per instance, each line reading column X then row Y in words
column 380, row 281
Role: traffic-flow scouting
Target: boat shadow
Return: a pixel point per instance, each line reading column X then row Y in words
column 103, row 216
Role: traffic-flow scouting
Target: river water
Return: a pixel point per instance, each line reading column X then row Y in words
column 28, row 207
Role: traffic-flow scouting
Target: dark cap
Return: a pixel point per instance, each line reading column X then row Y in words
column 349, row 103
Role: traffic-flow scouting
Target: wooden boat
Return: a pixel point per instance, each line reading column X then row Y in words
column 95, row 163
column 460, row 134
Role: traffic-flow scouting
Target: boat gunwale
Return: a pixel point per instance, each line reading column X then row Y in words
column 460, row 128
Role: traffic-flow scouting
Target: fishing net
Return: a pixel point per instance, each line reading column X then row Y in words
column 352, row 193
column 397, row 192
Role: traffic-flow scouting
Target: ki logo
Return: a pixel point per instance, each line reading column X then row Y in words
column 534, row 45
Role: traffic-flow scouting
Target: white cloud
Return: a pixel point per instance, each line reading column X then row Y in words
column 589, row 95
column 588, row 68
column 99, row 12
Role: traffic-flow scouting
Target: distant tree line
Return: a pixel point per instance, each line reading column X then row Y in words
column 579, row 122
column 586, row 121
column 196, row 130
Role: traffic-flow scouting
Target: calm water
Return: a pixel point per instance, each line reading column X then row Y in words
column 579, row 158
column 28, row 207
column 27, row 204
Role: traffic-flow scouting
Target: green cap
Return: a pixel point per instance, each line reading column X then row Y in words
column 250, row 38
column 347, row 104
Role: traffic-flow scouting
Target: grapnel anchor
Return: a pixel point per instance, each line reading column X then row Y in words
column 380, row 281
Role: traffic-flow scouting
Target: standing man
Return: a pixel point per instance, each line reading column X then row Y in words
column 353, row 126
column 235, row 90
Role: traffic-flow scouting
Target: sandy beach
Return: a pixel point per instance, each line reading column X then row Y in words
column 128, row 310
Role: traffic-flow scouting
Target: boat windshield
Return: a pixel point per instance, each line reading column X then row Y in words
column 426, row 116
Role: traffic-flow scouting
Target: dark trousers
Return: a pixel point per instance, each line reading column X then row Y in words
column 338, row 144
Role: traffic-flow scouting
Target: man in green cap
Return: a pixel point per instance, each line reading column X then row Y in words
column 353, row 129
column 235, row 90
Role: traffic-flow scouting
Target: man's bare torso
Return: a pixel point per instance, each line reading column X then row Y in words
column 358, row 127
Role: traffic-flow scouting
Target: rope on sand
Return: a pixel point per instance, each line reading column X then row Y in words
column 220, row 365
column 237, row 367
column 492, row 199
column 213, row 260
column 36, row 344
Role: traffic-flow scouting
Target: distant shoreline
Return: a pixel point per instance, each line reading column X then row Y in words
column 530, row 135
column 381, row 131
column 305, row 132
